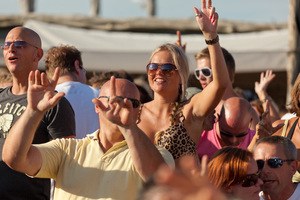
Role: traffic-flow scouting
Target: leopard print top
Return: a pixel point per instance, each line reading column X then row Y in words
column 177, row 141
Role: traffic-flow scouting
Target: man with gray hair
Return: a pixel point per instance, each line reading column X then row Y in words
column 276, row 158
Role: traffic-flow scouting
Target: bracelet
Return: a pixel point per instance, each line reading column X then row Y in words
column 267, row 98
column 213, row 41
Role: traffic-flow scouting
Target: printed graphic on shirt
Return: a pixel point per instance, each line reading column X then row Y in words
column 9, row 112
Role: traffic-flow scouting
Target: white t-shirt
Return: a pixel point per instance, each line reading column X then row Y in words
column 295, row 196
column 80, row 97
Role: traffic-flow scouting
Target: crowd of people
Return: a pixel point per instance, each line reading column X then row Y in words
column 65, row 137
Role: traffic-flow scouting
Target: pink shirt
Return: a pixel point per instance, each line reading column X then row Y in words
column 209, row 142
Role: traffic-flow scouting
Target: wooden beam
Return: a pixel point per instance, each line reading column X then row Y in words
column 293, row 63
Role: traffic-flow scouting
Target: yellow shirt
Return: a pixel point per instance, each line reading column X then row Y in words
column 83, row 171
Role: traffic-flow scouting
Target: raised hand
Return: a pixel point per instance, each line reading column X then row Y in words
column 41, row 95
column 118, row 110
column 178, row 41
column 207, row 18
column 265, row 80
column 264, row 128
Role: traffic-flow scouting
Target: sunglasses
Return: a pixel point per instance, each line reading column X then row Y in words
column 250, row 180
column 231, row 135
column 272, row 162
column 167, row 69
column 206, row 72
column 135, row 103
column 17, row 44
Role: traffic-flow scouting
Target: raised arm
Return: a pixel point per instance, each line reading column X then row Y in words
column 261, row 91
column 264, row 128
column 18, row 153
column 204, row 102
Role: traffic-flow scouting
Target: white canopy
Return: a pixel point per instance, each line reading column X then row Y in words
column 104, row 51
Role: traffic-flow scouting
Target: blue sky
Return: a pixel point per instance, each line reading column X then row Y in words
column 270, row 11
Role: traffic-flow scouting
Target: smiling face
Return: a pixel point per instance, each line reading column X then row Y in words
column 201, row 63
column 248, row 193
column 24, row 59
column 159, row 82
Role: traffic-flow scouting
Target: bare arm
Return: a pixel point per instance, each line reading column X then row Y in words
column 264, row 128
column 205, row 102
column 261, row 91
column 18, row 153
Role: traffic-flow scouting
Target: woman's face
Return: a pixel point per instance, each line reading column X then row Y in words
column 202, row 63
column 251, row 192
column 162, row 80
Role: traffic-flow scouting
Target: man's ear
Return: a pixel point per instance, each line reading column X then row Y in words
column 294, row 167
column 77, row 67
column 39, row 55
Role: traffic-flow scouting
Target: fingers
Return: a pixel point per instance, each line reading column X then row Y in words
column 208, row 3
column 44, row 80
column 112, row 87
column 99, row 106
column 179, row 37
column 37, row 77
column 203, row 4
column 279, row 126
column 262, row 76
column 56, row 98
column 31, row 78
column 204, row 161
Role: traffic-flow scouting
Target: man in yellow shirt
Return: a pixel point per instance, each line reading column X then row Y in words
column 111, row 163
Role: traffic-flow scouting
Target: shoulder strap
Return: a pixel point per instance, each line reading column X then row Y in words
column 286, row 122
column 291, row 132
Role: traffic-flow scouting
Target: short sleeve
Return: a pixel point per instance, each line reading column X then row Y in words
column 61, row 120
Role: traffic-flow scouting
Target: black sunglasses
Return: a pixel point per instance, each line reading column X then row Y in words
column 166, row 68
column 231, row 135
column 272, row 162
column 135, row 103
column 17, row 44
column 206, row 72
column 250, row 180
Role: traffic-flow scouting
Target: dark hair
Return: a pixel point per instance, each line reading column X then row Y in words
column 289, row 148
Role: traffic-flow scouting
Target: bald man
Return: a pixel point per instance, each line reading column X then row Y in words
column 22, row 51
column 110, row 163
column 231, row 129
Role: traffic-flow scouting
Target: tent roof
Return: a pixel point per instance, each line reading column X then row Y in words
column 104, row 50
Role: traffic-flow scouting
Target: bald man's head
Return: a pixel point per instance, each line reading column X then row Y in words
column 236, row 112
column 24, row 34
column 123, row 88
column 234, row 120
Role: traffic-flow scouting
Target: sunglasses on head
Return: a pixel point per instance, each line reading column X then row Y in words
column 17, row 44
column 135, row 103
column 206, row 72
column 272, row 162
column 167, row 69
column 250, row 180
column 231, row 135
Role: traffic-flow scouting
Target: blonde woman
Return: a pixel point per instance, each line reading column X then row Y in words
column 177, row 123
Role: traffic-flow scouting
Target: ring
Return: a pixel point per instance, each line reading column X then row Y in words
column 197, row 15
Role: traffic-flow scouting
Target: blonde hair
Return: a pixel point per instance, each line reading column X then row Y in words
column 181, row 62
